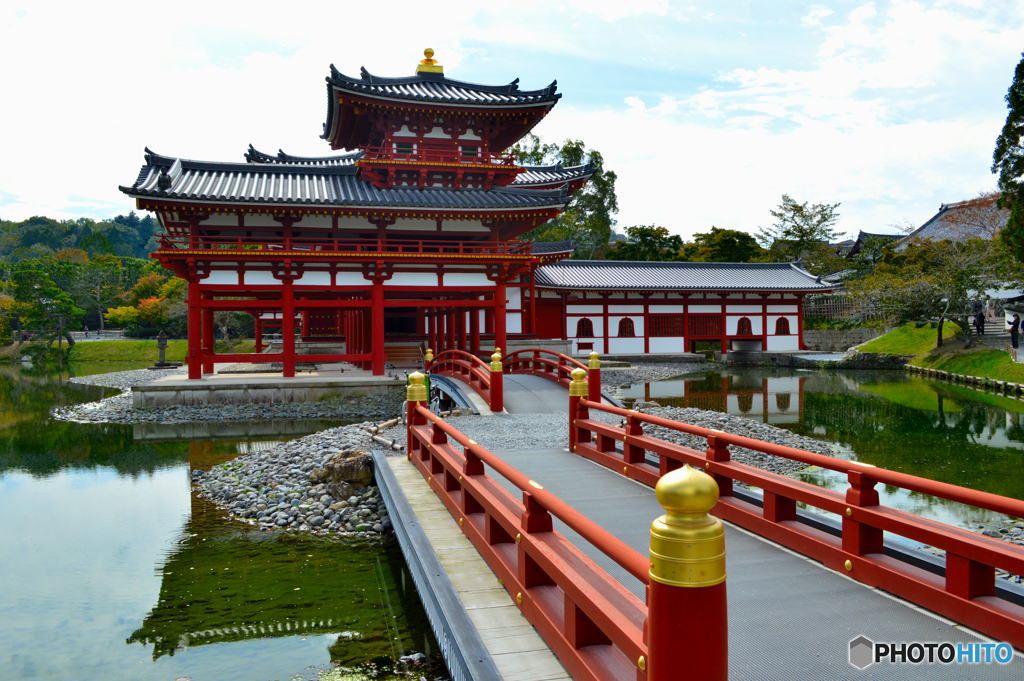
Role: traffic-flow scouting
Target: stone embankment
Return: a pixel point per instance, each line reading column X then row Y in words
column 322, row 484
column 976, row 382
column 119, row 409
column 614, row 377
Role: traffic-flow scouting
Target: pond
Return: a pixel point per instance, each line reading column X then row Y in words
column 113, row 569
column 888, row 419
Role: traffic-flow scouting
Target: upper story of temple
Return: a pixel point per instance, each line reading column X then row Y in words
column 427, row 159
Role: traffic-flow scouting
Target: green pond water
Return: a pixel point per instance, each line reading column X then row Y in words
column 112, row 569
column 889, row 419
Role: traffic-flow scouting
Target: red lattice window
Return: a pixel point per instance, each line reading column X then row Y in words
column 665, row 326
column 626, row 329
column 743, row 327
column 704, row 325
column 782, row 327
column 584, row 328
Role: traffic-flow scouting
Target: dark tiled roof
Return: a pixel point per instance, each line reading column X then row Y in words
column 545, row 247
column 863, row 236
column 677, row 276
column 972, row 219
column 552, row 174
column 333, row 185
column 435, row 88
column 253, row 155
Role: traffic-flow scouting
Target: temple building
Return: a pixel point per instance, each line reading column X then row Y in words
column 410, row 239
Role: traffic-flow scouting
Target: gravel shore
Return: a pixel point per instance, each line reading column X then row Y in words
column 612, row 377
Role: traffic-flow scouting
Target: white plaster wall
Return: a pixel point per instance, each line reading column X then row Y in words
column 466, row 279
column 463, row 226
column 626, row 345
column 319, row 221
column 219, row 219
column 744, row 309
column 437, row 133
column 226, row 277
column 793, row 327
column 404, row 132
column 572, row 321
column 513, row 322
column 355, row 279
column 584, row 309
column 412, row 279
column 664, row 345
column 410, row 224
column 261, row 279
column 732, row 322
column 469, row 135
column 700, row 309
column 626, row 309
column 783, row 343
column 314, row 279
column 513, row 297
column 613, row 324
column 782, row 308
column 671, row 309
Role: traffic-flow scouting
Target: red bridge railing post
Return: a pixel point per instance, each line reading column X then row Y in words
column 415, row 394
column 686, row 600
column 594, row 378
column 497, row 383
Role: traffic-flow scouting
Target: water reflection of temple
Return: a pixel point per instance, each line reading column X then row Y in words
column 772, row 399
column 222, row 582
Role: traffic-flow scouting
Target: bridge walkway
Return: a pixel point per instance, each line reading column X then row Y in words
column 789, row 616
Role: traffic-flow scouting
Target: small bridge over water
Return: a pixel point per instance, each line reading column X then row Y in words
column 566, row 537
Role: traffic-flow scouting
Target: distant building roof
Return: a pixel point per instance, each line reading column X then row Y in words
column 677, row 276
column 307, row 184
column 863, row 236
column 978, row 218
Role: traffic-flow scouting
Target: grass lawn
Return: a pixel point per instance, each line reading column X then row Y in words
column 978, row 360
column 143, row 351
column 910, row 340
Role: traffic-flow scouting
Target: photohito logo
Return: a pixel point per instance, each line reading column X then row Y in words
column 864, row 652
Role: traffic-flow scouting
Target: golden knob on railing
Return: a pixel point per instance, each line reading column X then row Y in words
column 578, row 387
column 496, row 361
column 595, row 362
column 687, row 545
column 429, row 356
column 416, row 391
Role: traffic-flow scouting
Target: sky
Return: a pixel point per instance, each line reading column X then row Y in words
column 708, row 112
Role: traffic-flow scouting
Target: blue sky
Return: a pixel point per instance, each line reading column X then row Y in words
column 707, row 111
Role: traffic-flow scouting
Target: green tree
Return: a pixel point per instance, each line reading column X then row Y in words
column 647, row 243
column 98, row 285
column 800, row 230
column 1008, row 162
column 588, row 218
column 722, row 245
column 46, row 308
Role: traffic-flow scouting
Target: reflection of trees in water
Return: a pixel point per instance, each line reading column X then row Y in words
column 222, row 584
column 938, row 445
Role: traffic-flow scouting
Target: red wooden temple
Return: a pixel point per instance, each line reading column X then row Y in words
column 411, row 237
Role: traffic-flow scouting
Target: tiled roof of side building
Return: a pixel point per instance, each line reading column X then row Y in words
column 677, row 276
column 435, row 88
column 172, row 178
column 978, row 218
column 545, row 247
column 253, row 155
column 552, row 174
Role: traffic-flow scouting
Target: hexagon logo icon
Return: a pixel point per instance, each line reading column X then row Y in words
column 862, row 652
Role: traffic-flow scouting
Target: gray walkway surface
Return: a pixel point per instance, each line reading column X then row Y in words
column 534, row 395
column 789, row 617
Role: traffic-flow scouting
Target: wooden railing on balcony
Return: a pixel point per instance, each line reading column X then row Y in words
column 264, row 245
column 438, row 156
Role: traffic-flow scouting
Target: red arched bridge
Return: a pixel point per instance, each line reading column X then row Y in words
column 617, row 597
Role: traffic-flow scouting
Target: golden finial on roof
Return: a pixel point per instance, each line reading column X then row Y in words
column 429, row 65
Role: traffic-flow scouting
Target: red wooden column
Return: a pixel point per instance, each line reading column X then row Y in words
column 800, row 322
column 499, row 315
column 377, row 324
column 474, row 331
column 533, row 301
column 304, row 316
column 450, row 322
column 460, row 328
column 207, row 341
column 195, row 368
column 288, row 328
column 259, row 334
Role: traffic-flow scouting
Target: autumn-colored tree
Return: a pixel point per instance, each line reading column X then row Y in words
column 147, row 286
column 123, row 316
column 153, row 311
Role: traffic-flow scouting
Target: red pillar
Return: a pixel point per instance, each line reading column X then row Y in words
column 304, row 315
column 377, row 322
column 259, row 334
column 195, row 368
column 450, row 322
column 288, row 328
column 499, row 317
column 207, row 341
column 430, row 328
column 460, row 328
column 474, row 331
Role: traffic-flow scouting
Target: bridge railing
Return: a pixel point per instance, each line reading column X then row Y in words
column 966, row 592
column 485, row 379
column 556, row 367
